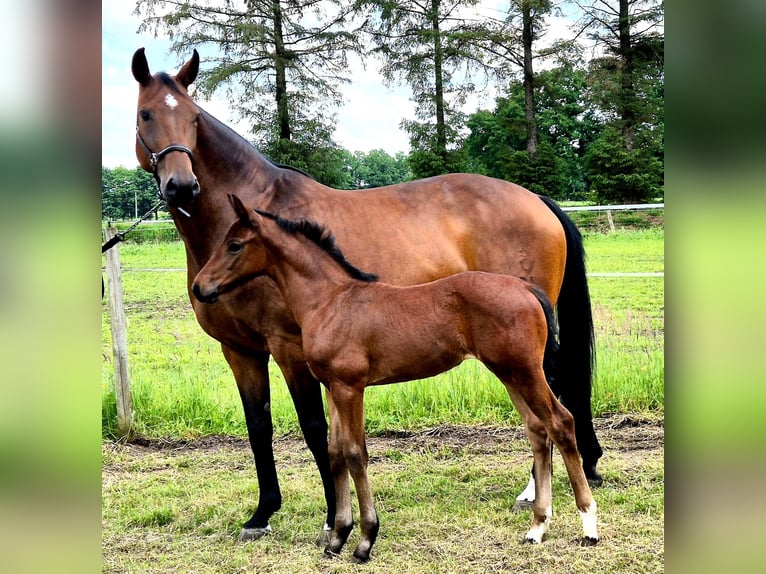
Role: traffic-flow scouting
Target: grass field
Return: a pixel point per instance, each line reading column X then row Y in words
column 444, row 498
column 182, row 386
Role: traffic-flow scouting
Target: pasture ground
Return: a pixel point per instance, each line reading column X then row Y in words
column 443, row 494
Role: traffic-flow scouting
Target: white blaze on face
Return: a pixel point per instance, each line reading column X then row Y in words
column 171, row 101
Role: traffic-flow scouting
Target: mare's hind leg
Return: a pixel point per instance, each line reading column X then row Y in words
column 343, row 520
column 541, row 496
column 559, row 424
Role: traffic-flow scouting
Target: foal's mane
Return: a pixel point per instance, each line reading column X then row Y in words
column 323, row 238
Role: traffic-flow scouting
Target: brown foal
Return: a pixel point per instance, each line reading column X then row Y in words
column 359, row 332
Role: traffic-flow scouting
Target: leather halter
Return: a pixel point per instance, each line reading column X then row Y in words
column 155, row 158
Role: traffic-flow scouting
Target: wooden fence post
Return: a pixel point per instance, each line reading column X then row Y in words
column 119, row 338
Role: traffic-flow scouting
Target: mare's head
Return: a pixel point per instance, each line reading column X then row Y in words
column 240, row 257
column 166, row 128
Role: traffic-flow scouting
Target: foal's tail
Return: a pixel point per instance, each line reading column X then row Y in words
column 550, row 357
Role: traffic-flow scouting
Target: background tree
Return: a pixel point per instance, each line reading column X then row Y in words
column 281, row 63
column 498, row 142
column 432, row 46
column 626, row 89
column 377, row 168
column 126, row 193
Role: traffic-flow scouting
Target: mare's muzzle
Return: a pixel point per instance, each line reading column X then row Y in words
column 179, row 191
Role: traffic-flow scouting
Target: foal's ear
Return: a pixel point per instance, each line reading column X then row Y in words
column 245, row 215
column 140, row 68
column 188, row 73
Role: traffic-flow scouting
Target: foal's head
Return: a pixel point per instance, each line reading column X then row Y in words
column 166, row 128
column 240, row 257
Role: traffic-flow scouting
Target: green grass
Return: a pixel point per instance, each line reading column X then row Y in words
column 443, row 502
column 182, row 386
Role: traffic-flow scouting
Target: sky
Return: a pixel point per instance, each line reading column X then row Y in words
column 368, row 119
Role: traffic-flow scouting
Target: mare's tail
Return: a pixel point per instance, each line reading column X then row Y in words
column 576, row 357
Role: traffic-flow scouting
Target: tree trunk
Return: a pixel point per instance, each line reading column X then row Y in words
column 280, row 66
column 441, row 130
column 627, row 89
column 529, row 79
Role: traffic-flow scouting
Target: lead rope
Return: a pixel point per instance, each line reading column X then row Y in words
column 121, row 236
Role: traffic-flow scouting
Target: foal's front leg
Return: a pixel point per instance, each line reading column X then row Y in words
column 349, row 412
column 344, row 521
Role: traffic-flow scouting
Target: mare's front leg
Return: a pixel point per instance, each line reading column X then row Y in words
column 252, row 376
column 306, row 393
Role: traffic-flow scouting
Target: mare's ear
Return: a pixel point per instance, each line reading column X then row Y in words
column 140, row 68
column 246, row 216
column 188, row 73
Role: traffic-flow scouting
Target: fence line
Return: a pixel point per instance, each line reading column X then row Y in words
column 630, row 206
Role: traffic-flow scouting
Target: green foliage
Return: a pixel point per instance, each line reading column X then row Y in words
column 428, row 157
column 313, row 151
column 543, row 174
column 376, row 168
column 126, row 193
column 618, row 175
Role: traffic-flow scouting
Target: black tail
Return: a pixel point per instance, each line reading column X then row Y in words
column 550, row 356
column 576, row 357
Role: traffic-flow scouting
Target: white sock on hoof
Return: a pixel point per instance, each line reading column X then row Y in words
column 589, row 527
column 529, row 492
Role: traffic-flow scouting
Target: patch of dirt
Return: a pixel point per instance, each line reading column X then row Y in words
column 618, row 432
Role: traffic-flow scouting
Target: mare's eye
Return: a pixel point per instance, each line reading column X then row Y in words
column 235, row 247
column 145, row 115
column 196, row 119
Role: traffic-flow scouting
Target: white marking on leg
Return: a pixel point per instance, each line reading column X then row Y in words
column 536, row 533
column 171, row 101
column 326, row 527
column 589, row 528
column 529, row 492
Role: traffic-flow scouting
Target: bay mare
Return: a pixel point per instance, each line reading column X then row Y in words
column 407, row 234
column 358, row 332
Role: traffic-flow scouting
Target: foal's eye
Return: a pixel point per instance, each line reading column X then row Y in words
column 145, row 115
column 235, row 247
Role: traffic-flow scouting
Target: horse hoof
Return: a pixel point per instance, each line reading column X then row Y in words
column 329, row 554
column 594, row 478
column 588, row 541
column 324, row 538
column 530, row 540
column 248, row 534
column 521, row 505
column 360, row 558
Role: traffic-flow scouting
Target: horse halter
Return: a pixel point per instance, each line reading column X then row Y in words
column 155, row 158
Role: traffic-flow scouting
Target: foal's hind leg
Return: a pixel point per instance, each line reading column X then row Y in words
column 559, row 424
column 542, row 497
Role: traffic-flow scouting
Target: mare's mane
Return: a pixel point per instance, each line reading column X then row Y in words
column 323, row 238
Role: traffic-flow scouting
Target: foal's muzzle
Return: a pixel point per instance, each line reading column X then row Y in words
column 207, row 297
